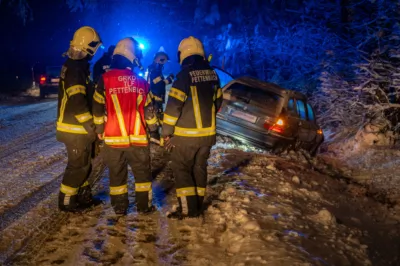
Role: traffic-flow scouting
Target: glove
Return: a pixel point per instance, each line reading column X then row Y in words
column 168, row 144
column 155, row 137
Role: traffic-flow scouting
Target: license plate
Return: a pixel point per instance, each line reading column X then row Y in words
column 244, row 116
column 55, row 80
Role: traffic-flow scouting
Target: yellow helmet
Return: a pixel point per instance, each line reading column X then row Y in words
column 86, row 40
column 190, row 46
column 128, row 48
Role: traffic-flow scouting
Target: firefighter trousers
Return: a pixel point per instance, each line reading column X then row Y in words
column 138, row 158
column 75, row 188
column 189, row 166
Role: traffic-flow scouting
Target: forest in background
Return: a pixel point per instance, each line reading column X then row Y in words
column 344, row 54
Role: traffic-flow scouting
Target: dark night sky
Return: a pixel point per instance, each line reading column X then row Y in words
column 45, row 38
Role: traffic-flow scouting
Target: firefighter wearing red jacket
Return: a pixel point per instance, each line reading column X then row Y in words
column 130, row 113
column 189, row 126
column 75, row 127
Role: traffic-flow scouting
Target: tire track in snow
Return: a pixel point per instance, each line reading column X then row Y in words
column 30, row 240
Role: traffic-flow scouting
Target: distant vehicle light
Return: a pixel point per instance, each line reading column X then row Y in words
column 319, row 131
column 42, row 80
column 141, row 74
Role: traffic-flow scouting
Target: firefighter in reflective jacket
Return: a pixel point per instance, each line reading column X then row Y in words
column 157, row 84
column 189, row 126
column 125, row 96
column 75, row 126
column 103, row 64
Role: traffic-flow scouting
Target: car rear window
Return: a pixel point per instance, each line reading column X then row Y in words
column 256, row 96
column 310, row 112
column 301, row 109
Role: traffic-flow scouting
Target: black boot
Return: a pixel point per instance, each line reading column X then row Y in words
column 85, row 198
column 67, row 203
column 120, row 203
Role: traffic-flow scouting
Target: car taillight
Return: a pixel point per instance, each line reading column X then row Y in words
column 277, row 127
column 42, row 80
column 319, row 131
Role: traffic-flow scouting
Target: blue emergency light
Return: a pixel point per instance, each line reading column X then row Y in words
column 141, row 46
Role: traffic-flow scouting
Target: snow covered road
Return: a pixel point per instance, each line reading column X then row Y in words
column 262, row 210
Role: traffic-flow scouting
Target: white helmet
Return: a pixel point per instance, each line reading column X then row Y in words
column 128, row 48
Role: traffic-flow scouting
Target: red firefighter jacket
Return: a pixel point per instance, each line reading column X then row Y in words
column 122, row 109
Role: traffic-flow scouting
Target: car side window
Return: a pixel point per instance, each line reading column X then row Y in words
column 291, row 107
column 301, row 109
column 310, row 112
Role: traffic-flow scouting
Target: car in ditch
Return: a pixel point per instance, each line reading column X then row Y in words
column 48, row 82
column 268, row 116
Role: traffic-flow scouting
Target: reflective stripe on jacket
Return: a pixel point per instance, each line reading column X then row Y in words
column 74, row 116
column 190, row 113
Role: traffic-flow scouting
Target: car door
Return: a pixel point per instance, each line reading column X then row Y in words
column 312, row 123
column 304, row 125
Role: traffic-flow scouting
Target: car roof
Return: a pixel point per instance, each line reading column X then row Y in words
column 266, row 86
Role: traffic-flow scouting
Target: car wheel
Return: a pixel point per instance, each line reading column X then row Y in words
column 279, row 148
column 315, row 150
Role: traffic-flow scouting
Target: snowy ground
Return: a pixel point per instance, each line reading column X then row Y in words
column 262, row 210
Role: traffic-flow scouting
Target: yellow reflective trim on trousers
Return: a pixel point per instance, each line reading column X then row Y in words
column 63, row 104
column 201, row 191
column 85, row 184
column 99, row 98
column 119, row 190
column 77, row 129
column 196, row 107
column 75, row 90
column 177, row 94
column 98, row 120
column 119, row 115
column 219, row 93
column 194, row 132
column 170, row 120
column 186, row 191
column 143, row 187
column 67, row 190
column 152, row 121
column 82, row 118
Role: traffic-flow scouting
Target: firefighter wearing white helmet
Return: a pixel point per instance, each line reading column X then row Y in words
column 125, row 96
column 75, row 125
column 158, row 85
column 189, row 126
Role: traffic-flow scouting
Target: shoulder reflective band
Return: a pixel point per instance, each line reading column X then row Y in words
column 143, row 187
column 99, row 98
column 98, row 120
column 75, row 90
column 119, row 190
column 186, row 191
column 82, row 118
column 170, row 120
column 196, row 107
column 175, row 93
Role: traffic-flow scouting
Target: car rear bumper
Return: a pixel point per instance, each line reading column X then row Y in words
column 249, row 136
